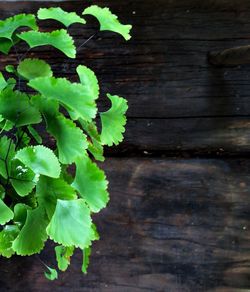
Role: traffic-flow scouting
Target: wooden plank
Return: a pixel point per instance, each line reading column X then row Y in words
column 171, row 225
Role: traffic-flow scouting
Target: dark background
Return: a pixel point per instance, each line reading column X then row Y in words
column 178, row 218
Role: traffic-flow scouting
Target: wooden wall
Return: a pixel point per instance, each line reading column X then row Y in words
column 178, row 219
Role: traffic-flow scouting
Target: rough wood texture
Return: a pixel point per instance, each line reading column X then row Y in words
column 175, row 225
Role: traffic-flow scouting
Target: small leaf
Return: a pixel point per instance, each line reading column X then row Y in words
column 35, row 135
column 20, row 214
column 11, row 83
column 108, row 21
column 56, row 13
column 33, row 234
column 52, row 275
column 71, row 224
column 40, row 159
column 6, row 44
column 113, row 121
column 9, row 25
column 33, row 68
column 73, row 95
column 91, row 183
column 3, row 83
column 7, row 236
column 6, row 213
column 59, row 39
column 63, row 254
column 86, row 253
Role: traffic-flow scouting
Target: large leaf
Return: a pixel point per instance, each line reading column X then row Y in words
column 13, row 102
column 91, row 183
column 6, row 213
column 71, row 224
column 40, row 159
column 108, row 21
column 33, row 68
column 63, row 254
column 113, row 121
column 56, row 13
column 9, row 25
column 7, row 236
column 33, row 234
column 50, row 189
column 73, row 95
column 7, row 152
column 59, row 39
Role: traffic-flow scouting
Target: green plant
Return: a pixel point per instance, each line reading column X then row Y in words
column 39, row 198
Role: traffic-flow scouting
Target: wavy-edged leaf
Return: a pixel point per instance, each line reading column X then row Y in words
column 33, row 68
column 52, row 274
column 6, row 147
column 57, row 13
column 3, row 82
column 9, row 25
column 91, row 183
column 95, row 146
column 63, row 254
column 86, row 253
column 23, row 179
column 6, row 214
column 108, row 21
column 59, row 39
column 7, row 236
column 12, row 102
column 71, row 224
column 33, row 234
column 89, row 80
column 48, row 190
column 113, row 121
column 40, row 159
column 73, row 95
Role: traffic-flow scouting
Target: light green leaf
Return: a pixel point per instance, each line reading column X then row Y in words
column 6, row 44
column 59, row 39
column 7, row 236
column 3, row 83
column 11, row 83
column 20, row 214
column 73, row 95
column 33, row 68
column 113, row 121
column 56, row 13
column 9, row 25
column 23, row 179
column 6, row 147
column 63, row 254
column 35, row 135
column 108, row 21
column 11, row 102
column 89, row 80
column 71, row 224
column 91, row 183
column 86, row 253
column 48, row 190
column 6, row 213
column 40, row 159
column 33, row 234
column 52, row 275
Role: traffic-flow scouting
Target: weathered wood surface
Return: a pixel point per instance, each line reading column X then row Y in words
column 171, row 225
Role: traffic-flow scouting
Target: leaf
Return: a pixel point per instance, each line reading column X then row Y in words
column 95, row 147
column 23, row 179
column 71, row 224
column 12, row 102
column 56, row 13
column 108, row 21
column 89, row 80
column 86, row 253
column 33, row 234
column 52, row 275
column 3, row 83
column 35, row 135
column 40, row 159
column 63, row 254
column 11, row 83
column 91, row 183
column 48, row 190
column 6, row 147
column 73, row 95
column 6, row 44
column 20, row 214
column 113, row 121
column 59, row 39
column 2, row 192
column 33, row 68
column 7, row 236
column 6, row 213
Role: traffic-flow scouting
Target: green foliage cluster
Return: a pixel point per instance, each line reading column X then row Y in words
column 39, row 199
